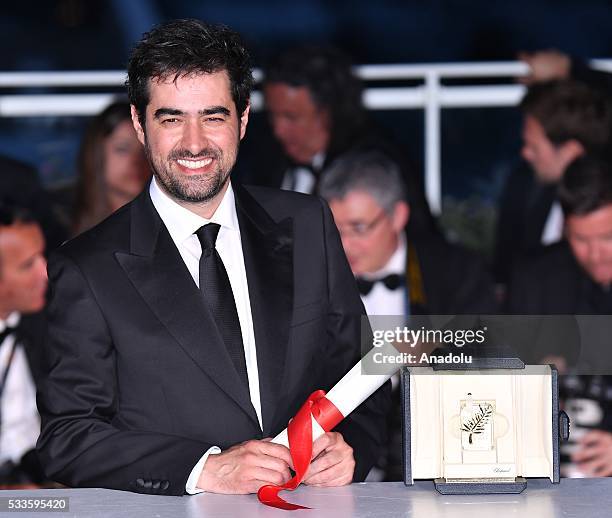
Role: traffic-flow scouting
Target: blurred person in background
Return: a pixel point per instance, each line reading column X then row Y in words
column 398, row 274
column 562, row 121
column 314, row 105
column 574, row 277
column 23, row 282
column 112, row 167
column 552, row 65
column 20, row 182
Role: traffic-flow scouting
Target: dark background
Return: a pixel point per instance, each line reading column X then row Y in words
column 480, row 146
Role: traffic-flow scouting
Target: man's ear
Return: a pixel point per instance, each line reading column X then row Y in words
column 244, row 120
column 137, row 126
column 401, row 215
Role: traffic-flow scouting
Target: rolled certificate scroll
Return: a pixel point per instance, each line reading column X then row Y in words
column 320, row 413
column 353, row 389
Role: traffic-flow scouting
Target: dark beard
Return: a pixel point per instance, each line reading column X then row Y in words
column 197, row 188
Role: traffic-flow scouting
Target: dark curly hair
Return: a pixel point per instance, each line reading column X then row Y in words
column 182, row 47
column 571, row 110
column 586, row 185
column 327, row 74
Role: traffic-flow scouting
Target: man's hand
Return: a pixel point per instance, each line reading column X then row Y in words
column 245, row 467
column 545, row 65
column 594, row 456
column 333, row 462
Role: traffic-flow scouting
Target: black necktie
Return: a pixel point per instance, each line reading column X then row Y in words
column 217, row 293
column 392, row 282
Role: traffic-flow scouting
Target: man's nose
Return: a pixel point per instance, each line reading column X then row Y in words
column 526, row 153
column 348, row 242
column 41, row 268
column 281, row 128
column 194, row 137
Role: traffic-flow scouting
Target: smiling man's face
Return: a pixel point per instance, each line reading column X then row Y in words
column 191, row 135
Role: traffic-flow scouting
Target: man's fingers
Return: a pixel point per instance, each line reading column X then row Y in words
column 319, row 446
column 338, row 474
column 267, row 476
column 278, row 451
column 592, row 437
column 326, row 461
column 325, row 441
column 267, row 462
column 341, row 480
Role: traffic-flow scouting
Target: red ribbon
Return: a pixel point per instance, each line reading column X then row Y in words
column 299, row 432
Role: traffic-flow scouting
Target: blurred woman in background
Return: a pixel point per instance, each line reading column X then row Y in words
column 112, row 167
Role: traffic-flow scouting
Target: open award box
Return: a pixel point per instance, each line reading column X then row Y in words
column 481, row 428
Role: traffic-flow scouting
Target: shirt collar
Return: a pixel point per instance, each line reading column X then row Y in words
column 11, row 321
column 318, row 160
column 182, row 223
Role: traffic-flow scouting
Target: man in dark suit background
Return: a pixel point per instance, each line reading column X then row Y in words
column 196, row 320
column 570, row 283
column 19, row 182
column 313, row 101
column 368, row 200
column 562, row 121
column 398, row 274
column 23, row 282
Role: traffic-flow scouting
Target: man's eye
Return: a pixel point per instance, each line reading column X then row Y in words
column 215, row 119
column 359, row 228
column 170, row 120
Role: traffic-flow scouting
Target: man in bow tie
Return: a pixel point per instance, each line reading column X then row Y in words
column 23, row 282
column 398, row 275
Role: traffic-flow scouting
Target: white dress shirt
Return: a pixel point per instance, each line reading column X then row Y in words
column 182, row 225
column 553, row 228
column 301, row 179
column 20, row 420
column 381, row 300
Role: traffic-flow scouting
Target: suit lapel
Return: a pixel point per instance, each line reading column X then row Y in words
column 158, row 272
column 268, row 255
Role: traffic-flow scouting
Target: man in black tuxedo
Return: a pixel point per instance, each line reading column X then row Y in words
column 398, row 274
column 196, row 321
column 368, row 200
column 314, row 105
column 23, row 282
column 562, row 121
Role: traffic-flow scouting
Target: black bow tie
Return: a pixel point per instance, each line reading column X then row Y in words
column 392, row 282
column 7, row 331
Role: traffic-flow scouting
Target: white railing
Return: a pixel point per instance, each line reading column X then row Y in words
column 432, row 96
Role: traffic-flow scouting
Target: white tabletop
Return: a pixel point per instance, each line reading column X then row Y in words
column 580, row 498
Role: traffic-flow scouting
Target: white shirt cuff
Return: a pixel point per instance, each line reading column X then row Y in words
column 194, row 476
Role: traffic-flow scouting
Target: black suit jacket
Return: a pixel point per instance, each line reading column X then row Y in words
column 31, row 335
column 523, row 210
column 455, row 280
column 553, row 284
column 139, row 384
